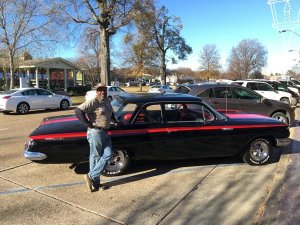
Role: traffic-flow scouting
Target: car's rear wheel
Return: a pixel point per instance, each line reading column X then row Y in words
column 64, row 104
column 281, row 117
column 258, row 152
column 285, row 100
column 22, row 108
column 118, row 164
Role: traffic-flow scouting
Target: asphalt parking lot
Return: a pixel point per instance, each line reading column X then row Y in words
column 206, row 191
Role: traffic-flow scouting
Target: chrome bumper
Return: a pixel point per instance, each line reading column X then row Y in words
column 282, row 142
column 34, row 155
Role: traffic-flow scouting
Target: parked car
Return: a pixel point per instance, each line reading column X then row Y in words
column 112, row 91
column 265, row 90
column 22, row 100
column 227, row 97
column 291, row 85
column 282, row 87
column 161, row 126
column 160, row 89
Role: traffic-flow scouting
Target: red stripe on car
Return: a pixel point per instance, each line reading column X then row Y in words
column 59, row 120
column 152, row 130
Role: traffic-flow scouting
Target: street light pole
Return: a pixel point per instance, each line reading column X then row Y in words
column 283, row 31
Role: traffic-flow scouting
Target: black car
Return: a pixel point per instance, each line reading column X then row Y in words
column 228, row 97
column 161, row 126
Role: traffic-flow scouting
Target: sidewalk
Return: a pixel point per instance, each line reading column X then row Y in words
column 283, row 206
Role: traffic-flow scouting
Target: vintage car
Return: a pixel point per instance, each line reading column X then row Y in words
column 161, row 126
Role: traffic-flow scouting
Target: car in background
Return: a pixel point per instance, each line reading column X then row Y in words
column 231, row 98
column 265, row 90
column 160, row 89
column 21, row 100
column 112, row 91
column 161, row 126
column 282, row 87
column 290, row 84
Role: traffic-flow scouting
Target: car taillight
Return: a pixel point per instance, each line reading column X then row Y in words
column 6, row 97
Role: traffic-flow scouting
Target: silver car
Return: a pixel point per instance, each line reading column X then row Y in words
column 22, row 100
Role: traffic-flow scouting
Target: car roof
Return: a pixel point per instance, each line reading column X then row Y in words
column 156, row 97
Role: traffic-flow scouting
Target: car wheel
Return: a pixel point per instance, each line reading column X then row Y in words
column 285, row 100
column 22, row 108
column 118, row 164
column 64, row 104
column 281, row 117
column 294, row 102
column 258, row 152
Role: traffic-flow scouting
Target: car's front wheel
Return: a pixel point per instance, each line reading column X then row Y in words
column 118, row 164
column 64, row 104
column 258, row 152
column 22, row 108
column 281, row 117
column 285, row 100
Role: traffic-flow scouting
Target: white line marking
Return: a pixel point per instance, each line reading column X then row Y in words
column 3, row 129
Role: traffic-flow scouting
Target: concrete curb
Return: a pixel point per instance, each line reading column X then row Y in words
column 271, row 206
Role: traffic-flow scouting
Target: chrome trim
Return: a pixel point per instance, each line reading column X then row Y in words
column 282, row 142
column 34, row 155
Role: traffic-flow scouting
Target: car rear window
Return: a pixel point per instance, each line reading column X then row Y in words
column 182, row 90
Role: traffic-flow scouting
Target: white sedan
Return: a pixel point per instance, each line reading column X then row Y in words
column 112, row 91
column 160, row 89
column 22, row 100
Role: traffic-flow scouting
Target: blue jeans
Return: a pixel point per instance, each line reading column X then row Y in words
column 100, row 152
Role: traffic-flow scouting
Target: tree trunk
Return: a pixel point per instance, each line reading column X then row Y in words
column 12, row 69
column 163, row 71
column 105, row 57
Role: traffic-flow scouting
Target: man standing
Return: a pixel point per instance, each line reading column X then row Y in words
column 96, row 114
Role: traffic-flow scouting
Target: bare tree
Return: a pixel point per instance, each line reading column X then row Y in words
column 108, row 16
column 24, row 25
column 209, row 59
column 165, row 32
column 247, row 58
column 89, row 51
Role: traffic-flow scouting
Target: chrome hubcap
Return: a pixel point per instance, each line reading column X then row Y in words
column 259, row 151
column 23, row 108
column 116, row 162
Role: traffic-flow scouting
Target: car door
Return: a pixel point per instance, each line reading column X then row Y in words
column 47, row 99
column 195, row 132
column 220, row 98
column 247, row 100
column 151, row 132
column 32, row 97
column 268, row 91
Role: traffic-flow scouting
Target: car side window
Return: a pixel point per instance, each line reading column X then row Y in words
column 206, row 94
column 222, row 92
column 241, row 93
column 149, row 114
column 30, row 92
column 184, row 112
column 264, row 87
column 44, row 92
column 252, row 86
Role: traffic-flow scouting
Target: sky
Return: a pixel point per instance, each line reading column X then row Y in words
column 227, row 22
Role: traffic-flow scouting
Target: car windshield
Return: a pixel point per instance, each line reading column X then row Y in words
column 9, row 92
column 123, row 109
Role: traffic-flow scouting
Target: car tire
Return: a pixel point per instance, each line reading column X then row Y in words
column 281, row 117
column 258, row 152
column 118, row 163
column 22, row 108
column 64, row 104
column 285, row 100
